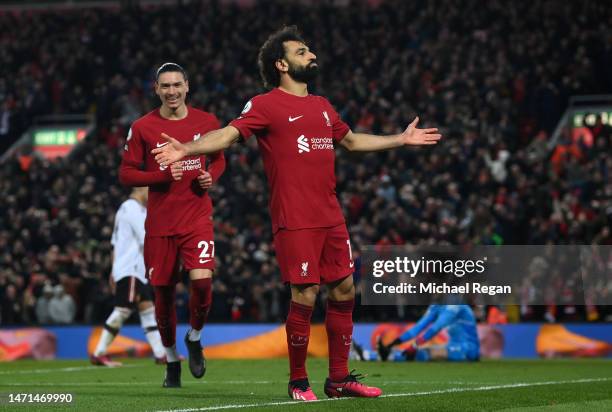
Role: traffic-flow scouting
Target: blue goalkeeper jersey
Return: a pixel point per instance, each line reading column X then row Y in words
column 459, row 321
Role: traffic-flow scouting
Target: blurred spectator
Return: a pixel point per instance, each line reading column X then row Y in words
column 43, row 314
column 497, row 164
column 12, row 308
column 61, row 306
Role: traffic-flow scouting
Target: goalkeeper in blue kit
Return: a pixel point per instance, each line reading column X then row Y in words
column 460, row 324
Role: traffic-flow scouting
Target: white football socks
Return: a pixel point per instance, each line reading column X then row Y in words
column 106, row 339
column 194, row 334
column 171, row 354
column 148, row 323
column 115, row 321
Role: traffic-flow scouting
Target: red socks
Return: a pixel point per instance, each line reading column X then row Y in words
column 339, row 326
column 165, row 314
column 298, row 334
column 200, row 297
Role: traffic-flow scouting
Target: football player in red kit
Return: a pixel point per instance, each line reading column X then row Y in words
column 179, row 213
column 296, row 133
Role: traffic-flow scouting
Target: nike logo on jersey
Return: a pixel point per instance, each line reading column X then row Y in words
column 205, row 260
column 162, row 144
column 293, row 119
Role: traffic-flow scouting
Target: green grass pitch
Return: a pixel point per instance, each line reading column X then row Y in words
column 527, row 385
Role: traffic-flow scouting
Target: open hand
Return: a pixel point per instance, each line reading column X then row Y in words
column 170, row 152
column 414, row 136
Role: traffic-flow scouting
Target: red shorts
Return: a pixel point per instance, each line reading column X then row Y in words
column 321, row 255
column 196, row 250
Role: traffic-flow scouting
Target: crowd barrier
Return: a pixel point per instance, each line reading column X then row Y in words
column 253, row 341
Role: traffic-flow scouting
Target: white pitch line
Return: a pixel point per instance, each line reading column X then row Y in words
column 395, row 395
column 433, row 382
column 71, row 369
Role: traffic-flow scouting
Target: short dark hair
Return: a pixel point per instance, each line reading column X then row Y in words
column 273, row 50
column 170, row 67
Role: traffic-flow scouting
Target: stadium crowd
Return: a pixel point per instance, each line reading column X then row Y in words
column 494, row 76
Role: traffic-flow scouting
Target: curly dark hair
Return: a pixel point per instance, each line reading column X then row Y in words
column 273, row 50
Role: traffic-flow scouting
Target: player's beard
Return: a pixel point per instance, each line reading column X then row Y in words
column 303, row 74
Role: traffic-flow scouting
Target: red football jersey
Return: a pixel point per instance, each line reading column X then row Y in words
column 174, row 207
column 296, row 137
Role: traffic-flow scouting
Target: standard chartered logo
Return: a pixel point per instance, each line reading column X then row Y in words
column 314, row 143
column 302, row 143
column 192, row 164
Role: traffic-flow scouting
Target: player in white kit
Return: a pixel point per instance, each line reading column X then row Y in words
column 132, row 289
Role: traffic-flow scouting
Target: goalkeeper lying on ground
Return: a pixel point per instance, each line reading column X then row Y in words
column 458, row 320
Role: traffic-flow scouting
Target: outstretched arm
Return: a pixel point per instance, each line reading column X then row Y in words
column 211, row 142
column 362, row 142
